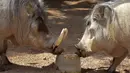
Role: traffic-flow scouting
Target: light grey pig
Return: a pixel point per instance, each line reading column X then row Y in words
column 108, row 30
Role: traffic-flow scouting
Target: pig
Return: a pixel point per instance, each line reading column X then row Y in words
column 23, row 22
column 108, row 30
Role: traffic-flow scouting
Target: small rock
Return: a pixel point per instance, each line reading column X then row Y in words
column 68, row 63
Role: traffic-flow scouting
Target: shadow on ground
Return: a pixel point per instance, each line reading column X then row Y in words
column 94, row 71
column 14, row 68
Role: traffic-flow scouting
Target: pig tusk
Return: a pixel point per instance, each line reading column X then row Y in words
column 62, row 36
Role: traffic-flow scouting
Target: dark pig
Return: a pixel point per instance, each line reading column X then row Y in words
column 23, row 22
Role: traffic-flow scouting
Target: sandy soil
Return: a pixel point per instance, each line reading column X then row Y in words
column 69, row 14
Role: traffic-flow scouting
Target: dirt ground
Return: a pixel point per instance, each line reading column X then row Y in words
column 69, row 14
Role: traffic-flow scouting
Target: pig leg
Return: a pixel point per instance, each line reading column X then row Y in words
column 3, row 58
column 116, row 61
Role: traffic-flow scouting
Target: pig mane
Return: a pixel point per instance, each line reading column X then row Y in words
column 110, row 21
column 21, row 29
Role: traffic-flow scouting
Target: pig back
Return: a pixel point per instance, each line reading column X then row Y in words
column 5, row 18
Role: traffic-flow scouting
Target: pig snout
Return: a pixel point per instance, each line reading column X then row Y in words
column 80, row 50
column 49, row 45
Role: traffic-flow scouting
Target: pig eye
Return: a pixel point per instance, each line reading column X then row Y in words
column 88, row 23
column 41, row 25
column 94, row 19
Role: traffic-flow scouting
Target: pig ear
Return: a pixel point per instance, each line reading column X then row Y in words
column 29, row 8
column 105, row 12
column 100, row 12
column 87, row 19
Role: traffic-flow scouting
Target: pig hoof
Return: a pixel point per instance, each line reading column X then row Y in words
column 57, row 51
column 3, row 62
